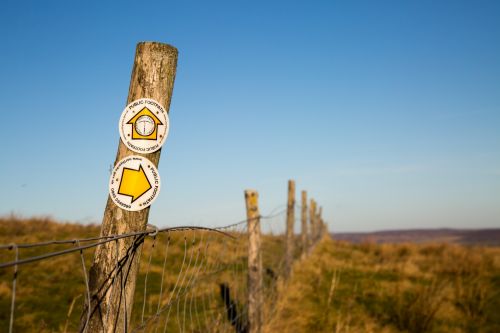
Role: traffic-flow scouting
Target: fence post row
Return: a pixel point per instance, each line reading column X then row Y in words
column 254, row 263
column 290, row 222
column 153, row 77
column 303, row 234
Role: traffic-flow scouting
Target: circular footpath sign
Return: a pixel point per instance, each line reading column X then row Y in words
column 134, row 183
column 144, row 125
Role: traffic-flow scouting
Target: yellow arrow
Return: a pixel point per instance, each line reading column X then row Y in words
column 134, row 183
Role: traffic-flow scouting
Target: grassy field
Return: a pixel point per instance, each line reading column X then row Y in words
column 367, row 287
column 339, row 287
column 183, row 287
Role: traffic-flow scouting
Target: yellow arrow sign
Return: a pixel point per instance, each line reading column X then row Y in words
column 134, row 183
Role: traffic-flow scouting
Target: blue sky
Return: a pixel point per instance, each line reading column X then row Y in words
column 387, row 112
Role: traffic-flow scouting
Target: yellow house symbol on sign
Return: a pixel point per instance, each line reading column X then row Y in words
column 144, row 125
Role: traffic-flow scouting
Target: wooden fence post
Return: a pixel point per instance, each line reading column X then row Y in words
column 290, row 222
column 312, row 221
column 254, row 263
column 320, row 223
column 153, row 77
column 303, row 231
column 324, row 228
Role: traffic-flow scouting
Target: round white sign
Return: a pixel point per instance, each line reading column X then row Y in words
column 144, row 126
column 134, row 183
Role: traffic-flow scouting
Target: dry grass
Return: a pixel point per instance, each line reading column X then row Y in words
column 392, row 288
column 50, row 293
column 340, row 287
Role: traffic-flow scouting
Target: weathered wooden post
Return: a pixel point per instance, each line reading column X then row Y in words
column 320, row 222
column 303, row 220
column 290, row 222
column 312, row 221
column 254, row 263
column 324, row 228
column 112, row 289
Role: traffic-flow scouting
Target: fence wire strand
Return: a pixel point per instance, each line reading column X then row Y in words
column 196, row 274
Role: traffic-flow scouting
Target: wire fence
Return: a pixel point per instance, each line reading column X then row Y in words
column 190, row 279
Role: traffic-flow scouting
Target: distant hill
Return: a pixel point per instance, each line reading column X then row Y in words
column 459, row 236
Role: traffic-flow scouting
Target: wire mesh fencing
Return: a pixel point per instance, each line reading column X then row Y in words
column 190, row 279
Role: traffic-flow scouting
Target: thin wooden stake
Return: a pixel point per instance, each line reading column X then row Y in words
column 290, row 222
column 254, row 263
column 312, row 221
column 303, row 233
column 320, row 223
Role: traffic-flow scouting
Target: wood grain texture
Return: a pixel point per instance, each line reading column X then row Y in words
column 319, row 218
column 153, row 76
column 254, row 263
column 290, row 221
column 312, row 221
column 303, row 219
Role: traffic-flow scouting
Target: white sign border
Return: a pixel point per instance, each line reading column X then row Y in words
column 116, row 176
column 143, row 146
